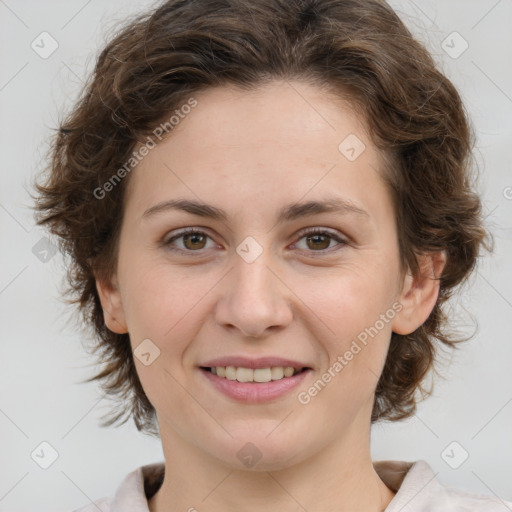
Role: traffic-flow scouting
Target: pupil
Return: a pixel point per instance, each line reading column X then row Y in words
column 320, row 236
column 193, row 236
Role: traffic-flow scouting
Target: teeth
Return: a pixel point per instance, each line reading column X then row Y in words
column 258, row 375
column 288, row 371
column 277, row 372
column 262, row 375
column 244, row 375
column 230, row 372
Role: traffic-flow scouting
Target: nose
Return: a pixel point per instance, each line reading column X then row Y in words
column 254, row 298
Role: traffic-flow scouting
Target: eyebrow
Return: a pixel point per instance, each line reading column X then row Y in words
column 288, row 213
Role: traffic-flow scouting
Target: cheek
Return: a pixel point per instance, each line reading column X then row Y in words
column 165, row 303
column 347, row 306
column 348, row 298
column 153, row 298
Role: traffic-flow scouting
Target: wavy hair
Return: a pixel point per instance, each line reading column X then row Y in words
column 358, row 49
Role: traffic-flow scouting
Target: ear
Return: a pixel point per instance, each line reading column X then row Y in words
column 110, row 297
column 419, row 294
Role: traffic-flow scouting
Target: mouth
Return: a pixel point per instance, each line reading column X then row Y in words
column 265, row 384
column 254, row 375
column 255, row 380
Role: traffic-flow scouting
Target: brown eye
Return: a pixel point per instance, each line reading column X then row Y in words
column 319, row 240
column 192, row 240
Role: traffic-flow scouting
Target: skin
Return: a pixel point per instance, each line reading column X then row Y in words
column 251, row 153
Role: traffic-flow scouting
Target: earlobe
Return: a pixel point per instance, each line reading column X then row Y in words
column 111, row 304
column 419, row 294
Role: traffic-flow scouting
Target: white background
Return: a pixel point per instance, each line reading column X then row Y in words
column 42, row 360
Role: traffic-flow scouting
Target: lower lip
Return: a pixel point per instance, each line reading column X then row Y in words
column 255, row 392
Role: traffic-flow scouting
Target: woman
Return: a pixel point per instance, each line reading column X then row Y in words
column 266, row 205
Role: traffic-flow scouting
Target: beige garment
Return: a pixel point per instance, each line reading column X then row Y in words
column 416, row 486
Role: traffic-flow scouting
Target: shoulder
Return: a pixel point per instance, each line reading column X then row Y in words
column 478, row 502
column 419, row 490
column 451, row 499
column 132, row 493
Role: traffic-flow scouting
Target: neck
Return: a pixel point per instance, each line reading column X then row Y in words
column 339, row 477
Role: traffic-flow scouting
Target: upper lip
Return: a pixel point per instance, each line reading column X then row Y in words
column 248, row 362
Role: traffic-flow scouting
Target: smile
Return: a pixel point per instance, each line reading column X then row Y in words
column 242, row 374
column 258, row 385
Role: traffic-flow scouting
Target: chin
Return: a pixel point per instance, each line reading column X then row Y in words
column 259, row 452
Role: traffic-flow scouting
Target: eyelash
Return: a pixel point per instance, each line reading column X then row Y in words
column 302, row 234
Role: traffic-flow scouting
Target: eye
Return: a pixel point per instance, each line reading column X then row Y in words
column 319, row 239
column 193, row 240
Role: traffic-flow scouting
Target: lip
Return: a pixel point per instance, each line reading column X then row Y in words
column 255, row 392
column 253, row 363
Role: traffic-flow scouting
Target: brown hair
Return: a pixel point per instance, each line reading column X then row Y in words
column 359, row 49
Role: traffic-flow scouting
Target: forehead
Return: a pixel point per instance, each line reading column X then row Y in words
column 279, row 139
column 278, row 112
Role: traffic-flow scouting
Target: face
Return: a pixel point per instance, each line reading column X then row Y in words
column 313, row 289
